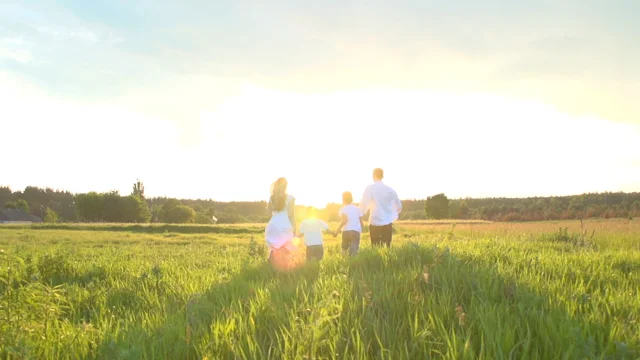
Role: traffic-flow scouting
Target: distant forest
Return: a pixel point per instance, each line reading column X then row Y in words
column 63, row 206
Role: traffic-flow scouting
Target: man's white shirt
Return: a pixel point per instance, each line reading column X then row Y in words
column 384, row 203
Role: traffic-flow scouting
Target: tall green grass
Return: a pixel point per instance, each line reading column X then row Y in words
column 434, row 294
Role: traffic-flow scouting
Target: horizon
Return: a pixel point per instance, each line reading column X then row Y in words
column 125, row 193
column 217, row 100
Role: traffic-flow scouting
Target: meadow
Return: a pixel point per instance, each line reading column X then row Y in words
column 549, row 290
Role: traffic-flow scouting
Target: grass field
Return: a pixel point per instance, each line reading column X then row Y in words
column 466, row 291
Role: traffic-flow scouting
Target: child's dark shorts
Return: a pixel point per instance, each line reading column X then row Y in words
column 315, row 252
column 351, row 241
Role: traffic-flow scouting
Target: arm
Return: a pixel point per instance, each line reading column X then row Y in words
column 326, row 229
column 365, row 202
column 398, row 203
column 301, row 231
column 292, row 214
column 343, row 223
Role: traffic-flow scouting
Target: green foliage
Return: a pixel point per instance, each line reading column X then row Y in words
column 42, row 198
column 414, row 215
column 454, row 209
column 563, row 235
column 55, row 269
column 182, row 214
column 22, row 204
column 135, row 209
column 596, row 205
column 577, row 207
column 64, row 203
column 50, row 216
column 5, row 194
column 463, row 211
column 203, row 218
column 231, row 218
column 155, row 212
column 111, row 207
column 257, row 250
column 129, row 209
column 19, row 204
column 89, row 206
column 437, row 206
column 138, row 189
column 173, row 212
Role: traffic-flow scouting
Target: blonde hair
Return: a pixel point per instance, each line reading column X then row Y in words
column 347, row 198
column 378, row 173
column 278, row 197
column 311, row 212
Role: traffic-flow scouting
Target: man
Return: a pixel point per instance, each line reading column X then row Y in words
column 384, row 206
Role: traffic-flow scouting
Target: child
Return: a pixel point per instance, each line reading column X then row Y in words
column 311, row 230
column 352, row 223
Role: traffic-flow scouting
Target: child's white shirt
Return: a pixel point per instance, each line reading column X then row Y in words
column 353, row 218
column 312, row 230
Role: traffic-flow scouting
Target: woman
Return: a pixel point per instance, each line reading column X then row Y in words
column 282, row 226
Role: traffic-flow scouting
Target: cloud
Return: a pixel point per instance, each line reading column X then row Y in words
column 21, row 56
column 63, row 33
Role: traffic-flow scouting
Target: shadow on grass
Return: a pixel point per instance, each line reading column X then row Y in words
column 175, row 338
column 412, row 301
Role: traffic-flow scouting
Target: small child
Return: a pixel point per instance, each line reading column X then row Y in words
column 311, row 230
column 352, row 224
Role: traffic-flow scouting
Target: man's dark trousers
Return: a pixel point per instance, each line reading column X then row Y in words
column 381, row 235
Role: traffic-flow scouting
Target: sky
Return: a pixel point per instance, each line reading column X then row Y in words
column 217, row 99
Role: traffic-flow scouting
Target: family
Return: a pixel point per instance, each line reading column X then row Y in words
column 380, row 200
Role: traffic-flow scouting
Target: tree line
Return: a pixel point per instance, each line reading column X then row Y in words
column 59, row 205
column 593, row 205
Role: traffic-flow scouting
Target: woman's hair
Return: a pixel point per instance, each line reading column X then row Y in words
column 278, row 197
column 347, row 198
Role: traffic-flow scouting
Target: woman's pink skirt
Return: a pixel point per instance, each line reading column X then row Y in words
column 285, row 257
